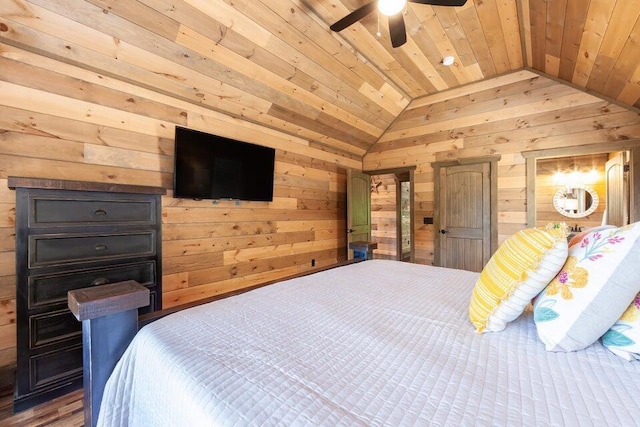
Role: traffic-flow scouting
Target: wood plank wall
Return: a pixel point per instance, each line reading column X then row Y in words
column 384, row 218
column 546, row 187
column 93, row 128
column 504, row 116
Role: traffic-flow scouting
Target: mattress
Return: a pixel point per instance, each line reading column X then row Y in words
column 377, row 343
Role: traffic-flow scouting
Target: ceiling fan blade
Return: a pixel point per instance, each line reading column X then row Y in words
column 397, row 30
column 440, row 2
column 354, row 16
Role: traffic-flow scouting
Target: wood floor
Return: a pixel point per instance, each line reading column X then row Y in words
column 65, row 411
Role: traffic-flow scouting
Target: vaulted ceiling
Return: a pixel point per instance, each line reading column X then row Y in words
column 276, row 63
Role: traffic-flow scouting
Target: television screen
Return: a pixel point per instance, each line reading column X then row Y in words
column 209, row 166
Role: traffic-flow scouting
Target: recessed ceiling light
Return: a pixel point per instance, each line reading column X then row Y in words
column 448, row 61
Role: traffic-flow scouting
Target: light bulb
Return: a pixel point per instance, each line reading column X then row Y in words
column 391, row 7
column 559, row 178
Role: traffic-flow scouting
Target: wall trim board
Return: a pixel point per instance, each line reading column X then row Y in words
column 466, row 161
column 582, row 149
column 390, row 170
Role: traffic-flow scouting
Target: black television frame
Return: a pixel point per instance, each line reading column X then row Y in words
column 209, row 166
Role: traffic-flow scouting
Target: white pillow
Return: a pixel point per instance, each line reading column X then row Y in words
column 592, row 290
column 623, row 338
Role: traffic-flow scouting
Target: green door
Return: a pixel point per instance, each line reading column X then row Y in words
column 358, row 208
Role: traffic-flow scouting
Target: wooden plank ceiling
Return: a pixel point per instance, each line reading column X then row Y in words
column 276, row 63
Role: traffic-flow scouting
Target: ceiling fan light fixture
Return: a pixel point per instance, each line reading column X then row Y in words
column 391, row 7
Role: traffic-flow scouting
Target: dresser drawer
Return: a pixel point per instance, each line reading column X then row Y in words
column 153, row 301
column 51, row 249
column 56, row 366
column 53, row 327
column 48, row 211
column 47, row 289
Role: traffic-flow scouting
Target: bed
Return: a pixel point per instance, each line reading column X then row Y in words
column 374, row 343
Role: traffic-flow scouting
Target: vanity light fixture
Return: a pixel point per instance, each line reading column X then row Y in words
column 575, row 179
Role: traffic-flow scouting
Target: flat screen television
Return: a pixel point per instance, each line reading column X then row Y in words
column 209, row 166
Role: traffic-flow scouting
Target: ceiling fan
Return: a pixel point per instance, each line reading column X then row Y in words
column 393, row 10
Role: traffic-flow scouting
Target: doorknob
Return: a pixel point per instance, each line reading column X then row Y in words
column 444, row 231
column 350, row 230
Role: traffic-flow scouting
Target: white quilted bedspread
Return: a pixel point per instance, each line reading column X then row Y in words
column 371, row 344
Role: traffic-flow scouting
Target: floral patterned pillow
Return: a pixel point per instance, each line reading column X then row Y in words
column 591, row 291
column 581, row 235
column 623, row 338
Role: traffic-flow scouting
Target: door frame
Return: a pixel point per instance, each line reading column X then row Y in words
column 633, row 146
column 617, row 162
column 493, row 200
column 396, row 172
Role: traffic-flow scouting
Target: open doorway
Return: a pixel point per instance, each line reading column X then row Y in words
column 392, row 214
column 627, row 182
column 405, row 220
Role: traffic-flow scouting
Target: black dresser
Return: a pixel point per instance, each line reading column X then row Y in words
column 72, row 235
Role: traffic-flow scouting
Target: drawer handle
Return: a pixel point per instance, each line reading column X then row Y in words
column 100, row 281
column 99, row 212
column 100, row 248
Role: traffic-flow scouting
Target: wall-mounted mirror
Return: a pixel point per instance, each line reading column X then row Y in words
column 576, row 202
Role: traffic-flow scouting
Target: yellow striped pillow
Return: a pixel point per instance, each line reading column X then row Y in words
column 519, row 270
